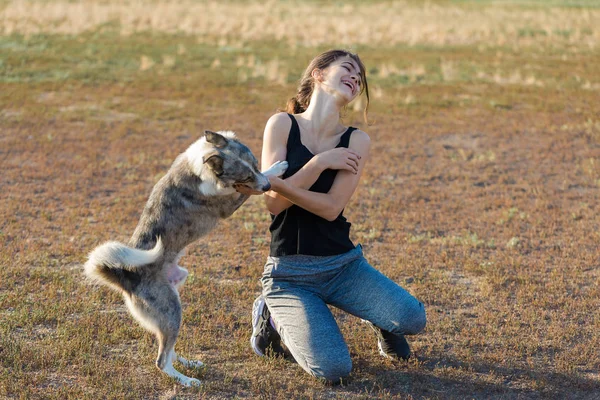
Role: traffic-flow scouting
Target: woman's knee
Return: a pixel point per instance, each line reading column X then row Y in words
column 410, row 319
column 417, row 319
column 333, row 372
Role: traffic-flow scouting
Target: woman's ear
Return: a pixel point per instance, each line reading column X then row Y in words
column 317, row 74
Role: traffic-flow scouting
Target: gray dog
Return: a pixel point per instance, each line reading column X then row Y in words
column 184, row 205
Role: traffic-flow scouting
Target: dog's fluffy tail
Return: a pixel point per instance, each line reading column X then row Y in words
column 115, row 264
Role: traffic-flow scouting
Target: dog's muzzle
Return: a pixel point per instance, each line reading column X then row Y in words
column 266, row 187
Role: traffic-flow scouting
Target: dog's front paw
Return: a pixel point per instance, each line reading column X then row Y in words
column 277, row 169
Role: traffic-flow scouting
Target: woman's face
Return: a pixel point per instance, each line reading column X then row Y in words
column 342, row 78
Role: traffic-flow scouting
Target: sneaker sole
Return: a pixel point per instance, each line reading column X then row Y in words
column 383, row 353
column 257, row 310
column 379, row 339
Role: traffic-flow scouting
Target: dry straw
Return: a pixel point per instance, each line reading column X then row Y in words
column 313, row 24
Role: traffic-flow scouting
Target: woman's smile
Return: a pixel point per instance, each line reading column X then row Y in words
column 350, row 85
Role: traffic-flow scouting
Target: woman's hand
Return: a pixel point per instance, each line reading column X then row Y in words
column 243, row 189
column 339, row 158
column 276, row 183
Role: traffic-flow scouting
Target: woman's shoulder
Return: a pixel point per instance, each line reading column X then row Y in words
column 280, row 120
column 278, row 126
column 359, row 140
column 360, row 136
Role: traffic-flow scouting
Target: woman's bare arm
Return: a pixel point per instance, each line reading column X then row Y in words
column 275, row 149
column 328, row 205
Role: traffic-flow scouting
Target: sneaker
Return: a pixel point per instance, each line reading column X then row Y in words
column 264, row 335
column 390, row 345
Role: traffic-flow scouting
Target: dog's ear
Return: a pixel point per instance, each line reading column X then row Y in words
column 214, row 162
column 215, row 138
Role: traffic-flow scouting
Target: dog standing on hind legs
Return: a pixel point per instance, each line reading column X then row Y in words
column 197, row 191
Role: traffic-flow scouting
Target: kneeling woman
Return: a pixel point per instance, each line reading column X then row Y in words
column 312, row 261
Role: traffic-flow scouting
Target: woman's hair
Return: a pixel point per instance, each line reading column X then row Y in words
column 299, row 103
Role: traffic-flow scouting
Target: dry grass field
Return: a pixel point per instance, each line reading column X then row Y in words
column 482, row 195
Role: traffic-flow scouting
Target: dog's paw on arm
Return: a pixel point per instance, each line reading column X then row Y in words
column 277, row 169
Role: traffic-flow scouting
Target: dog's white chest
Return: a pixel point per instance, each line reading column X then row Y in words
column 211, row 189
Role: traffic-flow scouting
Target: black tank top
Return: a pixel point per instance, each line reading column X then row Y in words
column 298, row 231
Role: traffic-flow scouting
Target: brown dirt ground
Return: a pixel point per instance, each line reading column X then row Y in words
column 488, row 214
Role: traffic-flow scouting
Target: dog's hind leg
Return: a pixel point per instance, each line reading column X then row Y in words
column 166, row 356
column 168, row 315
column 176, row 276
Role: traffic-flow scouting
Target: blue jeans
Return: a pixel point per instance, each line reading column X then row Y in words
column 297, row 289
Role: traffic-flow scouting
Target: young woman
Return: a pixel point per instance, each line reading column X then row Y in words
column 312, row 261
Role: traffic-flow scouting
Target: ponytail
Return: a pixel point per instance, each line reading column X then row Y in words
column 299, row 103
column 293, row 106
